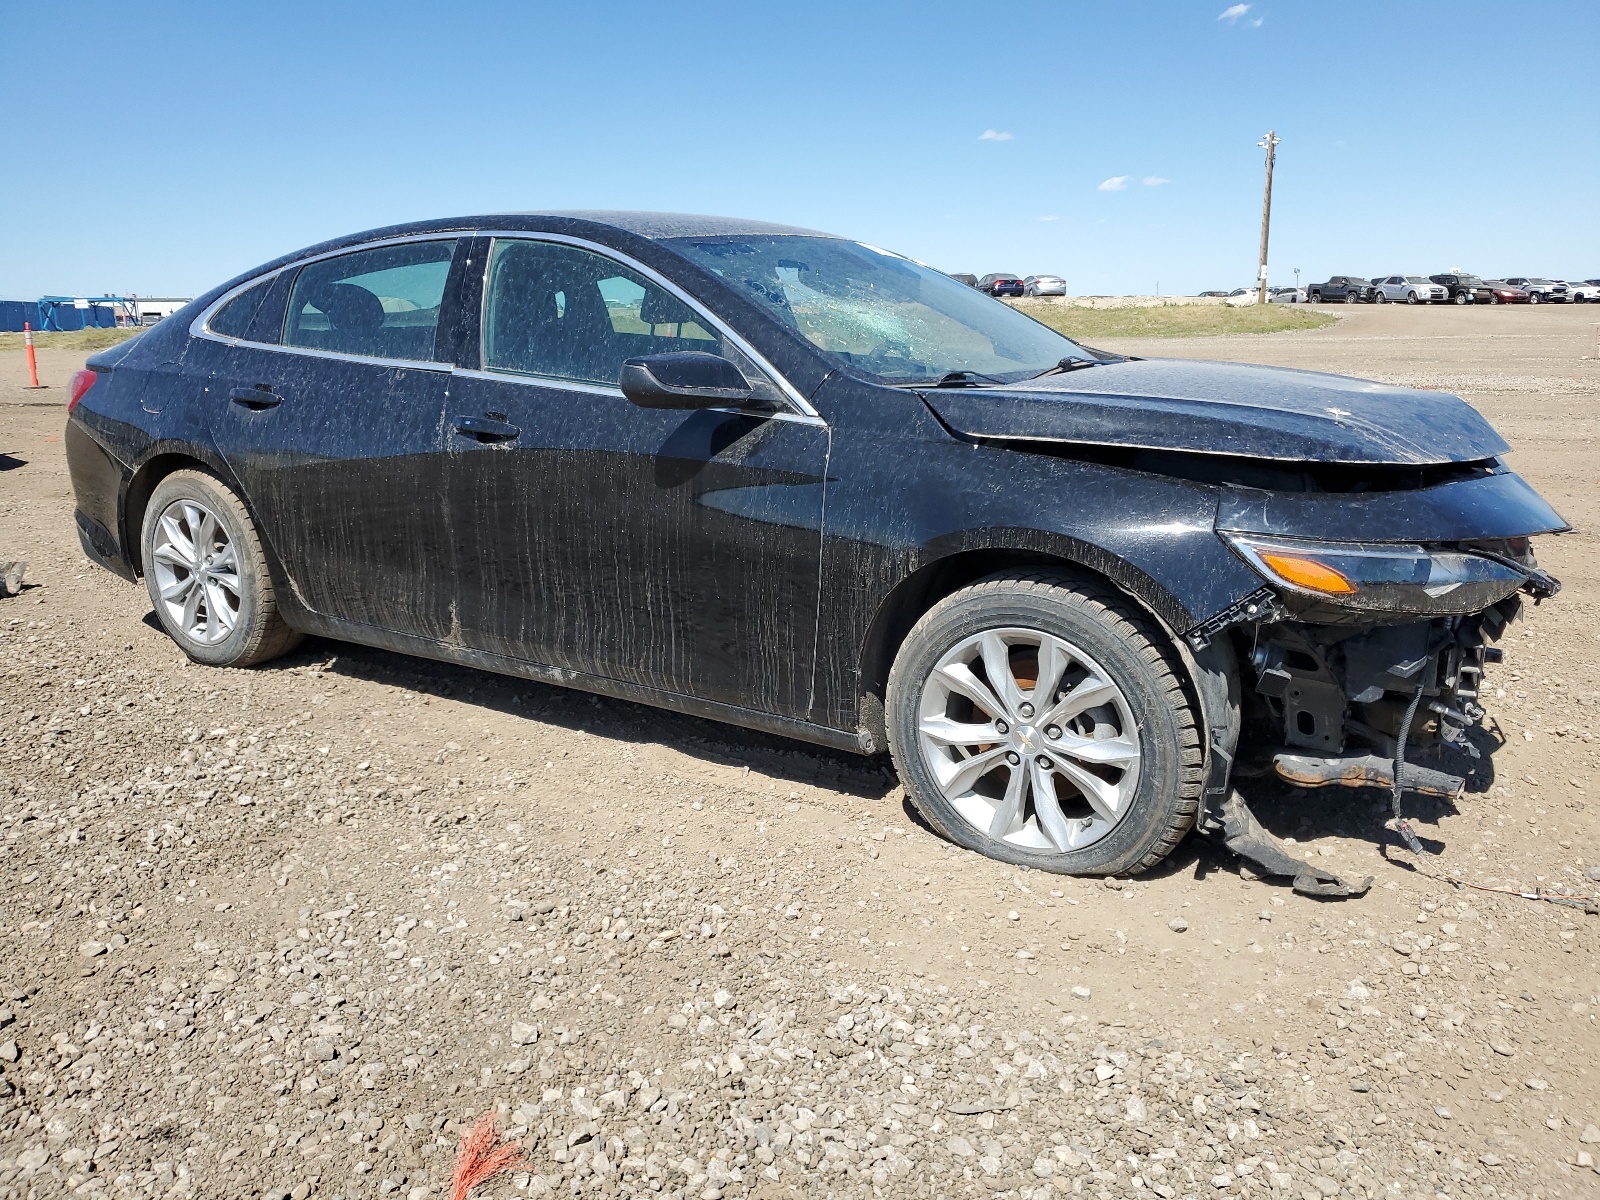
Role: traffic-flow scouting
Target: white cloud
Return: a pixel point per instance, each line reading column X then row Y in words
column 1116, row 183
column 1049, row 218
column 994, row 135
column 1256, row 24
column 1233, row 12
column 1155, row 180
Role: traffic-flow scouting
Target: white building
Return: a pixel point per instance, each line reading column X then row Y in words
column 151, row 309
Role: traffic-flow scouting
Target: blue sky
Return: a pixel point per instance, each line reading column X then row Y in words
column 176, row 145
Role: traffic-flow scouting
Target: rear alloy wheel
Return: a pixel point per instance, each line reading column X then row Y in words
column 1039, row 720
column 207, row 574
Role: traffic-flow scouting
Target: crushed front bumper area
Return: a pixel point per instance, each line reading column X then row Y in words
column 1338, row 704
column 1329, row 703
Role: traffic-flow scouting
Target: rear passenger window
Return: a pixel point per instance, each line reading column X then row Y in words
column 381, row 303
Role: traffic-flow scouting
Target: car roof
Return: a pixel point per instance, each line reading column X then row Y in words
column 648, row 226
column 671, row 225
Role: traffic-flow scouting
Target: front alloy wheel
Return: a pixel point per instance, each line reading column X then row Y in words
column 1039, row 719
column 1029, row 740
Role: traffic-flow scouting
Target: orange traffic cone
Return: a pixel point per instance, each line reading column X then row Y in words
column 33, row 363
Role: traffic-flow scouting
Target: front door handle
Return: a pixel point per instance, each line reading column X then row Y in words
column 256, row 398
column 485, row 429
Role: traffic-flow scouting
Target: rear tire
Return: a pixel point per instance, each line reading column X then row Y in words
column 1095, row 772
column 1533, row 298
column 207, row 575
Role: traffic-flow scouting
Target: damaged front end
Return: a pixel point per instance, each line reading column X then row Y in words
column 1356, row 661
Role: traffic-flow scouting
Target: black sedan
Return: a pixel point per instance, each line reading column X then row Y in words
column 799, row 483
column 1002, row 284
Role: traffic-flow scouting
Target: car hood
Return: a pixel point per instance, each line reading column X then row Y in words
column 1226, row 408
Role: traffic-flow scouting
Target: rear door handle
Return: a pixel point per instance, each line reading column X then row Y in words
column 485, row 429
column 259, row 397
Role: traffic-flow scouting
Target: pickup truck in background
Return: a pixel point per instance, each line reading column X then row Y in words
column 1350, row 289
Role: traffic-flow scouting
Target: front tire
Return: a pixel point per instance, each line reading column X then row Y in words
column 1461, row 298
column 1351, row 298
column 1411, row 297
column 207, row 574
column 1039, row 720
column 1533, row 298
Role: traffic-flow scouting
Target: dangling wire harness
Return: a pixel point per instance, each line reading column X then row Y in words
column 1586, row 903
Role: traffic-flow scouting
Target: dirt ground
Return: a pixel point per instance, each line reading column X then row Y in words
column 282, row 932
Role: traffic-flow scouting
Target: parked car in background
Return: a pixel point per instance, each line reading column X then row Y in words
column 1213, row 293
column 1411, row 289
column 1503, row 292
column 1001, row 283
column 1541, row 291
column 1464, row 289
column 1286, row 295
column 963, row 277
column 1044, row 285
column 1585, row 291
column 1350, row 289
column 444, row 438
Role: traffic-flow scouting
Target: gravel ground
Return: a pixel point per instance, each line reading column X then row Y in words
column 283, row 932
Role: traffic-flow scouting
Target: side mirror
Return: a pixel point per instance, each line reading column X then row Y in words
column 683, row 379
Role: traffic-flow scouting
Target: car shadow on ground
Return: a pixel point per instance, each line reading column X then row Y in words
column 1284, row 811
column 713, row 742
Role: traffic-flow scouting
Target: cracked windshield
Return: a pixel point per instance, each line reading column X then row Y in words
column 882, row 315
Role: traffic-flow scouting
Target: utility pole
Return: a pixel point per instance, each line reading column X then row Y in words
column 1270, row 145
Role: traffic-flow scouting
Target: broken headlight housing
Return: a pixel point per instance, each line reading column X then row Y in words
column 1374, row 577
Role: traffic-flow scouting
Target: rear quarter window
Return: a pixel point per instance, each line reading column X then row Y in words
column 235, row 318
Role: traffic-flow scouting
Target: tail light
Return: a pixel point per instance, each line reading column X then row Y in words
column 82, row 381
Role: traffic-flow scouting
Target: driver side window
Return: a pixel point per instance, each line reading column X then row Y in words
column 562, row 312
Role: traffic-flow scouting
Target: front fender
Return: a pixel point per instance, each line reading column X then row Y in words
column 904, row 496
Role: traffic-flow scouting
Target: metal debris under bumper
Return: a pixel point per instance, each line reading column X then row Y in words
column 1364, row 770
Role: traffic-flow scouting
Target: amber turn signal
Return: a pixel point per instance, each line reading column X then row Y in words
column 1308, row 573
